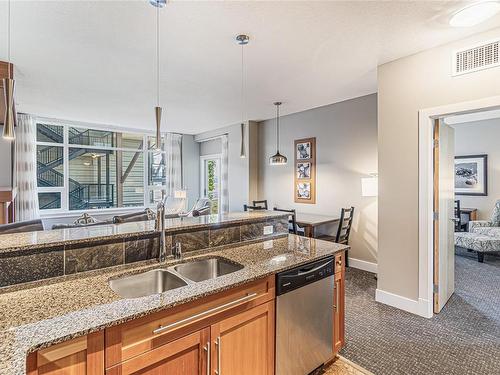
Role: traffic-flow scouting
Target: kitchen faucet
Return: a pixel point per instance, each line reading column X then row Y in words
column 160, row 227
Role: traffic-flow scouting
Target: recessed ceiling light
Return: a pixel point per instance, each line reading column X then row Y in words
column 475, row 13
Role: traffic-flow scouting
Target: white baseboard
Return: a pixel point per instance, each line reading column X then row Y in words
column 421, row 307
column 363, row 265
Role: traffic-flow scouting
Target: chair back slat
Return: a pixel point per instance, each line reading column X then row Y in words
column 247, row 207
column 345, row 224
column 262, row 203
column 458, row 216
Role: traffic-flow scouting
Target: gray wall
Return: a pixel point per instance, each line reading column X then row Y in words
column 481, row 137
column 238, row 168
column 406, row 86
column 346, row 143
column 210, row 147
column 190, row 168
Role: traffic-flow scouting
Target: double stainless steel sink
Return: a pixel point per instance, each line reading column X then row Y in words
column 162, row 280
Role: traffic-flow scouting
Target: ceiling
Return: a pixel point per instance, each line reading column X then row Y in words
column 93, row 61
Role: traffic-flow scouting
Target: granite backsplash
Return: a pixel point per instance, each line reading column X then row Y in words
column 53, row 261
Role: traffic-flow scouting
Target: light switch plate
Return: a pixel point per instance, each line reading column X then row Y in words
column 268, row 229
column 268, row 245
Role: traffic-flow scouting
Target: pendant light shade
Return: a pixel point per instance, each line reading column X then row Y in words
column 158, row 126
column 8, row 91
column 242, row 146
column 278, row 159
column 242, row 40
column 9, row 119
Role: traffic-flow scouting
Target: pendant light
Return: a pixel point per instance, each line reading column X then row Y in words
column 8, row 91
column 158, row 4
column 278, row 159
column 242, row 40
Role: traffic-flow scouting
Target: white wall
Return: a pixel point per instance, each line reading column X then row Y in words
column 346, row 149
column 405, row 86
column 238, row 168
column 210, row 147
column 481, row 137
column 190, row 168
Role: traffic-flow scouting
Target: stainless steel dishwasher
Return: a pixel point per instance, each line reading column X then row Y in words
column 304, row 317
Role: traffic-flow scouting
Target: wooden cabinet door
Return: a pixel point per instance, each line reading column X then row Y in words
column 80, row 356
column 185, row 356
column 339, row 312
column 244, row 344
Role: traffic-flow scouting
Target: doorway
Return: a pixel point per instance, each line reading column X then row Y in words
column 436, row 216
column 210, row 174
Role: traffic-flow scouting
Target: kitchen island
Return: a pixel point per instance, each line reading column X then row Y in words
column 81, row 323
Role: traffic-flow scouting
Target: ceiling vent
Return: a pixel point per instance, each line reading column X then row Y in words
column 476, row 58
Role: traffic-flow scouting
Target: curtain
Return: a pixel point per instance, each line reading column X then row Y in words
column 173, row 163
column 25, row 177
column 224, row 196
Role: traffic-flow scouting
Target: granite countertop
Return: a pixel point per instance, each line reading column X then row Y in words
column 56, row 311
column 69, row 236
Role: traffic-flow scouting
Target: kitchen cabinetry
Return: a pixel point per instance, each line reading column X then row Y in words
column 339, row 303
column 187, row 355
column 231, row 332
column 80, row 356
column 252, row 332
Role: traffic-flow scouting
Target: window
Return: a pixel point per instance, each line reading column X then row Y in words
column 210, row 180
column 83, row 168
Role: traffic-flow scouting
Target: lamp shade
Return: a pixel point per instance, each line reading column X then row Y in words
column 278, row 159
column 369, row 186
column 180, row 194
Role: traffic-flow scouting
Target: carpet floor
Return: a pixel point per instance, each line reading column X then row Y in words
column 464, row 339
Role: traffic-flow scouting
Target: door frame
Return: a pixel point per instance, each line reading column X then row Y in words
column 426, row 118
column 204, row 158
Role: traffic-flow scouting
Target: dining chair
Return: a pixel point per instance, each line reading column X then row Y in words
column 344, row 229
column 262, row 203
column 247, row 207
column 292, row 223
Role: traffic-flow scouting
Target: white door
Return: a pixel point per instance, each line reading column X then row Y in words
column 444, row 259
column 210, row 180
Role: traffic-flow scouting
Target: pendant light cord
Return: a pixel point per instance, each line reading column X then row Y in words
column 8, row 39
column 158, row 56
column 242, row 85
column 278, row 127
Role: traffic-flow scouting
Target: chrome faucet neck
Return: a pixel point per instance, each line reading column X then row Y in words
column 160, row 227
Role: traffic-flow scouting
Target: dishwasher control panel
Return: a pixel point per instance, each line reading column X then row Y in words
column 308, row 273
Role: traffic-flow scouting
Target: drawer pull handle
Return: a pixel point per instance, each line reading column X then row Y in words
column 187, row 320
column 207, row 349
column 217, row 343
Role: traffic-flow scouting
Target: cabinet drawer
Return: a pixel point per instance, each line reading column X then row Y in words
column 340, row 262
column 142, row 335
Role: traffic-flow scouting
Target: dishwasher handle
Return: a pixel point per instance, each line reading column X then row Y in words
column 297, row 277
column 305, row 272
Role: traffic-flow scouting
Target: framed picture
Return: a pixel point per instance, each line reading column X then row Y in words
column 304, row 190
column 471, row 175
column 303, row 150
column 305, row 170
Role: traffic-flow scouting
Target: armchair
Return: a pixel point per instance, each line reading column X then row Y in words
column 201, row 207
column 489, row 228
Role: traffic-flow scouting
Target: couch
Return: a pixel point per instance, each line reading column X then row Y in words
column 483, row 236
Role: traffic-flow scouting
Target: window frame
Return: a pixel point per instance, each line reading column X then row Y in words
column 64, row 190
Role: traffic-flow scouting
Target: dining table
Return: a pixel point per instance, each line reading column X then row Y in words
column 310, row 222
